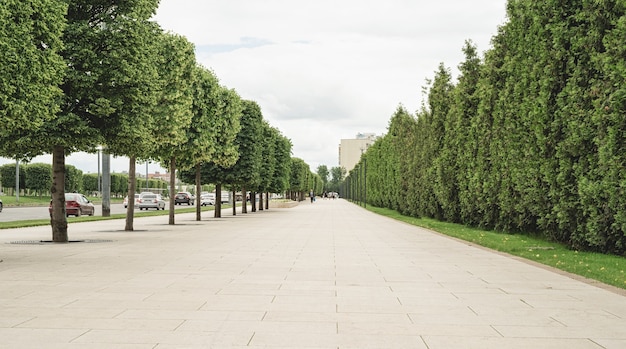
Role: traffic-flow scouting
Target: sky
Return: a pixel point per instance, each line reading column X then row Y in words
column 324, row 70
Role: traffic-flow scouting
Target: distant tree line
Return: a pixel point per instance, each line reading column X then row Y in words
column 531, row 138
column 332, row 179
column 36, row 180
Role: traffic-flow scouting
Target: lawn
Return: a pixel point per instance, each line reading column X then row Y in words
column 39, row 201
column 9, row 201
column 608, row 269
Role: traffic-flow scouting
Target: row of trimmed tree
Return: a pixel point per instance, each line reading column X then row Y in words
column 263, row 164
column 78, row 75
column 531, row 138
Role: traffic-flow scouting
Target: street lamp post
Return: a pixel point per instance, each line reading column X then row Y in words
column 147, row 185
column 99, row 179
column 17, row 180
column 365, row 183
column 106, row 182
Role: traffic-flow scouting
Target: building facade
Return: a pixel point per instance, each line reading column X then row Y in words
column 350, row 150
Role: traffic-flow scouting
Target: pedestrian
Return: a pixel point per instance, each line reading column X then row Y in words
column 312, row 195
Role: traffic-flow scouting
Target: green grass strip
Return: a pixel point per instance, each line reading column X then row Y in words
column 608, row 269
column 72, row 219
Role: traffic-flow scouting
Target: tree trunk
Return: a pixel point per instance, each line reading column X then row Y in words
column 172, row 220
column 106, row 184
column 261, row 201
column 253, row 201
column 218, row 201
column 58, row 219
column 244, row 205
column 267, row 201
column 198, row 191
column 132, row 187
column 234, row 201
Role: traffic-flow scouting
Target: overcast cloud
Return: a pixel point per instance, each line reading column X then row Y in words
column 325, row 70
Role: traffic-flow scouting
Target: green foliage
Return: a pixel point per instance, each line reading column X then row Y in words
column 38, row 177
column 450, row 165
column 73, row 179
column 31, row 70
column 201, row 143
column 119, row 184
column 76, row 75
column 322, row 171
column 530, row 140
column 282, row 163
column 173, row 113
column 7, row 174
column 111, row 80
column 387, row 178
column 249, row 142
column 90, row 183
column 264, row 158
column 268, row 157
column 337, row 175
column 298, row 182
column 226, row 112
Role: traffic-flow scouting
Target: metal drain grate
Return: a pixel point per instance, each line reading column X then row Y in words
column 48, row 242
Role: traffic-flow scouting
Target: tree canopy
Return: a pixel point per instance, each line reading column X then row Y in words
column 31, row 70
column 77, row 76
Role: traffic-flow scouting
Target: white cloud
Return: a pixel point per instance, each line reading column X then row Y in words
column 326, row 70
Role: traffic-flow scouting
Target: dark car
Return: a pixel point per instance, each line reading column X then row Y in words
column 183, row 197
column 76, row 205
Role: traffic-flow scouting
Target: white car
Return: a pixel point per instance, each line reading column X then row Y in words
column 136, row 201
column 147, row 201
column 207, row 199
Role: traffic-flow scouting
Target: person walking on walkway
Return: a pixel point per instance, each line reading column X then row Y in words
column 312, row 195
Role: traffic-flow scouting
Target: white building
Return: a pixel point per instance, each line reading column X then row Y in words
column 350, row 150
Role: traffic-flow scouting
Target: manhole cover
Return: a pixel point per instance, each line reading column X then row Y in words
column 44, row 242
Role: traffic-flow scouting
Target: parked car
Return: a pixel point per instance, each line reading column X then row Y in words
column 76, row 205
column 136, row 200
column 0, row 205
column 147, row 201
column 225, row 197
column 184, row 197
column 207, row 199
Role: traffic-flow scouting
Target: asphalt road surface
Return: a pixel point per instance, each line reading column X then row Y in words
column 10, row 214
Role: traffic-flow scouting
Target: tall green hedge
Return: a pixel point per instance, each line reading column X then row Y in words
column 530, row 138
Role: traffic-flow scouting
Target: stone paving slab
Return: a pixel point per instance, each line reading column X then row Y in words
column 318, row 276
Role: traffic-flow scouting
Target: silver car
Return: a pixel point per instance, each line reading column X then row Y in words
column 207, row 199
column 147, row 201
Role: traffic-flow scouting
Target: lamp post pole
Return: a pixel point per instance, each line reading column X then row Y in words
column 106, row 183
column 99, row 179
column 147, row 186
column 17, row 180
column 365, row 183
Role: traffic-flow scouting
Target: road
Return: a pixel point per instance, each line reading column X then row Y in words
column 10, row 214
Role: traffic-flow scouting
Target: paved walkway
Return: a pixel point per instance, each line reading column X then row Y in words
column 323, row 275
